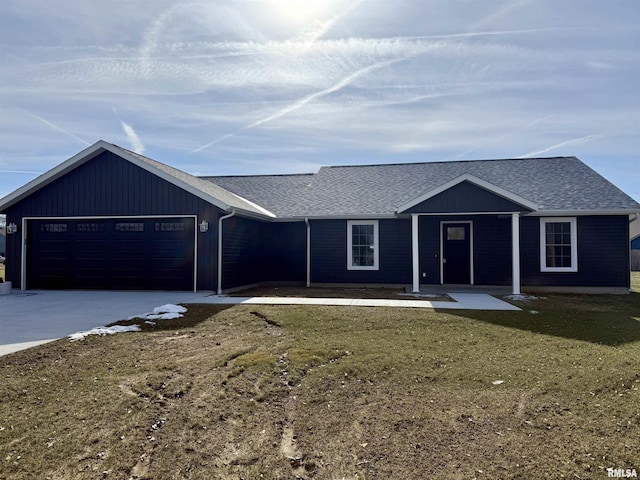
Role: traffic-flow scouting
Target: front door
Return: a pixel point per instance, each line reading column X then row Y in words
column 456, row 253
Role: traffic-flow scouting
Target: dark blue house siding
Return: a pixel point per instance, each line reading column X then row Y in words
column 255, row 251
column 329, row 253
column 110, row 186
column 603, row 254
column 466, row 197
column 491, row 248
column 635, row 244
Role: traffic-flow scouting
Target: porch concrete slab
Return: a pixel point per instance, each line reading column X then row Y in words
column 480, row 301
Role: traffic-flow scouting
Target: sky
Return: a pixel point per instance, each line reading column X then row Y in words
column 241, row 87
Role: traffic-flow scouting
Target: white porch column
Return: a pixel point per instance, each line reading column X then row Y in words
column 415, row 253
column 515, row 251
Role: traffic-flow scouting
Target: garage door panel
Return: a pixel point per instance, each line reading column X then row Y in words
column 141, row 254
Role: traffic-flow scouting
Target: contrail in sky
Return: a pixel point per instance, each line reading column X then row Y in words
column 54, row 126
column 574, row 141
column 304, row 101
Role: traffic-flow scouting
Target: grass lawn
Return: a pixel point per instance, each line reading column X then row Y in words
column 281, row 392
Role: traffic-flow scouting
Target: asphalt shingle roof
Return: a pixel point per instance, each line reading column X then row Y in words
column 554, row 184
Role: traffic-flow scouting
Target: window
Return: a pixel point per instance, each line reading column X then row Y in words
column 169, row 227
column 558, row 244
column 129, row 227
column 54, row 227
column 90, row 227
column 362, row 245
column 455, row 233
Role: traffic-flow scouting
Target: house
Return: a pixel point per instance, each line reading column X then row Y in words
column 634, row 233
column 109, row 218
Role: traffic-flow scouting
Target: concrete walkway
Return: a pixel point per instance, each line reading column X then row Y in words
column 463, row 301
column 35, row 317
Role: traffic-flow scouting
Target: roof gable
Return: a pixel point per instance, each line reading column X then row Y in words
column 467, row 193
column 209, row 192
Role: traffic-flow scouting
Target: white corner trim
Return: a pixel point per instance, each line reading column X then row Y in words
column 415, row 252
column 574, row 244
column 376, row 245
column 476, row 181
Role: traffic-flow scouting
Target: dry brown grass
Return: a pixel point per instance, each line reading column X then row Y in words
column 2, row 271
column 280, row 392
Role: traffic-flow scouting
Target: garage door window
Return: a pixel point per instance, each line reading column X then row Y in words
column 54, row 227
column 129, row 227
column 169, row 227
column 90, row 227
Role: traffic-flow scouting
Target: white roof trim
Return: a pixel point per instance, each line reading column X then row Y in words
column 262, row 210
column 102, row 146
column 579, row 213
column 474, row 180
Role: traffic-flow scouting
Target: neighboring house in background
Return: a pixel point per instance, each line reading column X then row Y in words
column 109, row 218
column 634, row 235
column 3, row 241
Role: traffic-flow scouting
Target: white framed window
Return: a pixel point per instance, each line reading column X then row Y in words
column 558, row 244
column 362, row 245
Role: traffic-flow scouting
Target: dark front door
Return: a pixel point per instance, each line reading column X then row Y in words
column 456, row 253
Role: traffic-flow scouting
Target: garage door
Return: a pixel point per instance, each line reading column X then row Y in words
column 113, row 254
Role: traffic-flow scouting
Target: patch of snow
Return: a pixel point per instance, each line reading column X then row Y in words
column 164, row 312
column 497, row 382
column 104, row 331
column 420, row 295
column 534, row 312
column 163, row 316
column 170, row 308
column 149, row 322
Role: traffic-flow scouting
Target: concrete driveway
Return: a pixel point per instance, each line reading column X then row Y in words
column 33, row 317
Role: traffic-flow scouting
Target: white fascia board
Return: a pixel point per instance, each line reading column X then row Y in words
column 262, row 210
column 368, row 216
column 580, row 213
column 476, row 181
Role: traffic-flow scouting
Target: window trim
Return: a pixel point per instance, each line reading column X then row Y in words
column 574, row 244
column 376, row 245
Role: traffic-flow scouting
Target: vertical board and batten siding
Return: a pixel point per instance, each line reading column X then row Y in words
column 491, row 248
column 329, row 253
column 286, row 259
column 603, row 254
column 466, row 197
column 255, row 252
column 108, row 185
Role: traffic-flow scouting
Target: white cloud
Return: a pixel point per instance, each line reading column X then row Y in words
column 133, row 138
